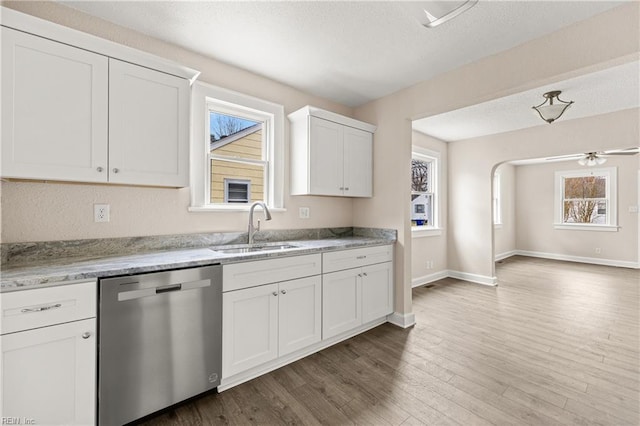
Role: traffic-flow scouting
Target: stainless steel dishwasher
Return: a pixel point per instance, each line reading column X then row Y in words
column 160, row 337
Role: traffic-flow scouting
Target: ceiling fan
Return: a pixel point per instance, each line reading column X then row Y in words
column 597, row 157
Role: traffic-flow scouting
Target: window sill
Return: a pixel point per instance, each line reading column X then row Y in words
column 577, row 227
column 422, row 231
column 223, row 208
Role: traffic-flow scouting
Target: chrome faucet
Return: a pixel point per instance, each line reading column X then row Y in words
column 267, row 216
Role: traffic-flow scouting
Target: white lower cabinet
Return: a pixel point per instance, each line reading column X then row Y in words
column 355, row 296
column 48, row 373
column 264, row 322
column 357, row 287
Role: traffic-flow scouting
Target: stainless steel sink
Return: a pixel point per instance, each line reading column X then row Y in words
column 245, row 248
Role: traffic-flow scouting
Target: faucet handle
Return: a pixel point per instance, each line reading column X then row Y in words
column 258, row 227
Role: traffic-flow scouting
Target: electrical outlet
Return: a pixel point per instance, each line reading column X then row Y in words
column 598, row 250
column 101, row 212
column 304, row 212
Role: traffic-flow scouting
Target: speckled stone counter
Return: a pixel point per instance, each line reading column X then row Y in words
column 47, row 269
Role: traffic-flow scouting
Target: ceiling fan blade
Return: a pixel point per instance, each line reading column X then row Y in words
column 608, row 154
column 565, row 156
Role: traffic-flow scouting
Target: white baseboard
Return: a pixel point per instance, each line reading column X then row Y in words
column 426, row 279
column 402, row 320
column 474, row 278
column 580, row 259
column 505, row 255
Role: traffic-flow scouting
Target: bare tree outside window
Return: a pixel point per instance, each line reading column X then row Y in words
column 420, row 172
column 222, row 125
column 585, row 199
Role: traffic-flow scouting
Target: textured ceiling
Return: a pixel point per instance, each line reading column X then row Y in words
column 350, row 51
column 601, row 92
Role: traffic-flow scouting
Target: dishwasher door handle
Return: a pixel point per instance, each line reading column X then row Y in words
column 168, row 288
column 152, row 291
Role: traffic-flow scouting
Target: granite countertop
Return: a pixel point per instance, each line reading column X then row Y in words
column 65, row 270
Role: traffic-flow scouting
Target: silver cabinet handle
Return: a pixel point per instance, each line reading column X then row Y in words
column 360, row 275
column 41, row 308
column 364, row 273
column 86, row 335
column 347, row 188
column 275, row 293
column 115, row 170
column 99, row 169
column 283, row 291
column 341, row 188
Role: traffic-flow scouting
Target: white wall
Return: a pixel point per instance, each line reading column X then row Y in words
column 535, row 210
column 431, row 248
column 37, row 211
column 505, row 234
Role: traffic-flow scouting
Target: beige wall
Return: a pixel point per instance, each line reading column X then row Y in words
column 505, row 234
column 603, row 41
column 33, row 211
column 535, row 210
column 431, row 248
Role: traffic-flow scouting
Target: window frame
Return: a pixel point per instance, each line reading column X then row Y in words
column 610, row 173
column 497, row 199
column 433, row 229
column 204, row 97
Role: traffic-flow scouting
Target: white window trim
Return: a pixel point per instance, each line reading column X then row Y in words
column 497, row 200
column 433, row 230
column 612, row 190
column 201, row 96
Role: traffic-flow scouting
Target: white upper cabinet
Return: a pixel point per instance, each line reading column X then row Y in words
column 54, row 110
column 330, row 154
column 76, row 108
column 148, row 126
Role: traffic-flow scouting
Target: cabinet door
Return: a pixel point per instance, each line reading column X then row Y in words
column 48, row 374
column 358, row 160
column 377, row 291
column 299, row 312
column 325, row 157
column 341, row 302
column 54, row 110
column 148, row 126
column 249, row 328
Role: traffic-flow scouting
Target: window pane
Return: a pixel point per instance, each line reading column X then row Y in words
column 585, row 187
column 586, row 211
column 234, row 171
column 420, row 175
column 222, row 125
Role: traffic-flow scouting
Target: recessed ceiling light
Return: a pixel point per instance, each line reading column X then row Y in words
column 439, row 12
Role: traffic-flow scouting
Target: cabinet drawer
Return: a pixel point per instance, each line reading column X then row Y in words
column 355, row 258
column 24, row 310
column 249, row 274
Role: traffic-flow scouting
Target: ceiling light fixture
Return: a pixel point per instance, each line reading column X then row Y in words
column 591, row 159
column 552, row 111
column 442, row 12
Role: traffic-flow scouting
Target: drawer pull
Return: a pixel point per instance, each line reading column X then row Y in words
column 361, row 257
column 275, row 293
column 86, row 335
column 283, row 291
column 41, row 308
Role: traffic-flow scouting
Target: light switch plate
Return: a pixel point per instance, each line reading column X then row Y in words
column 304, row 212
column 633, row 209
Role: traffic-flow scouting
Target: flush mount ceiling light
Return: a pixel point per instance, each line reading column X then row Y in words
column 591, row 159
column 439, row 12
column 551, row 111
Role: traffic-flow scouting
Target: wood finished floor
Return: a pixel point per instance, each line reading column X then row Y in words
column 554, row 343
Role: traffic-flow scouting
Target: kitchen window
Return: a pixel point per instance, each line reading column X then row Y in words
column 237, row 150
column 424, row 192
column 586, row 200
